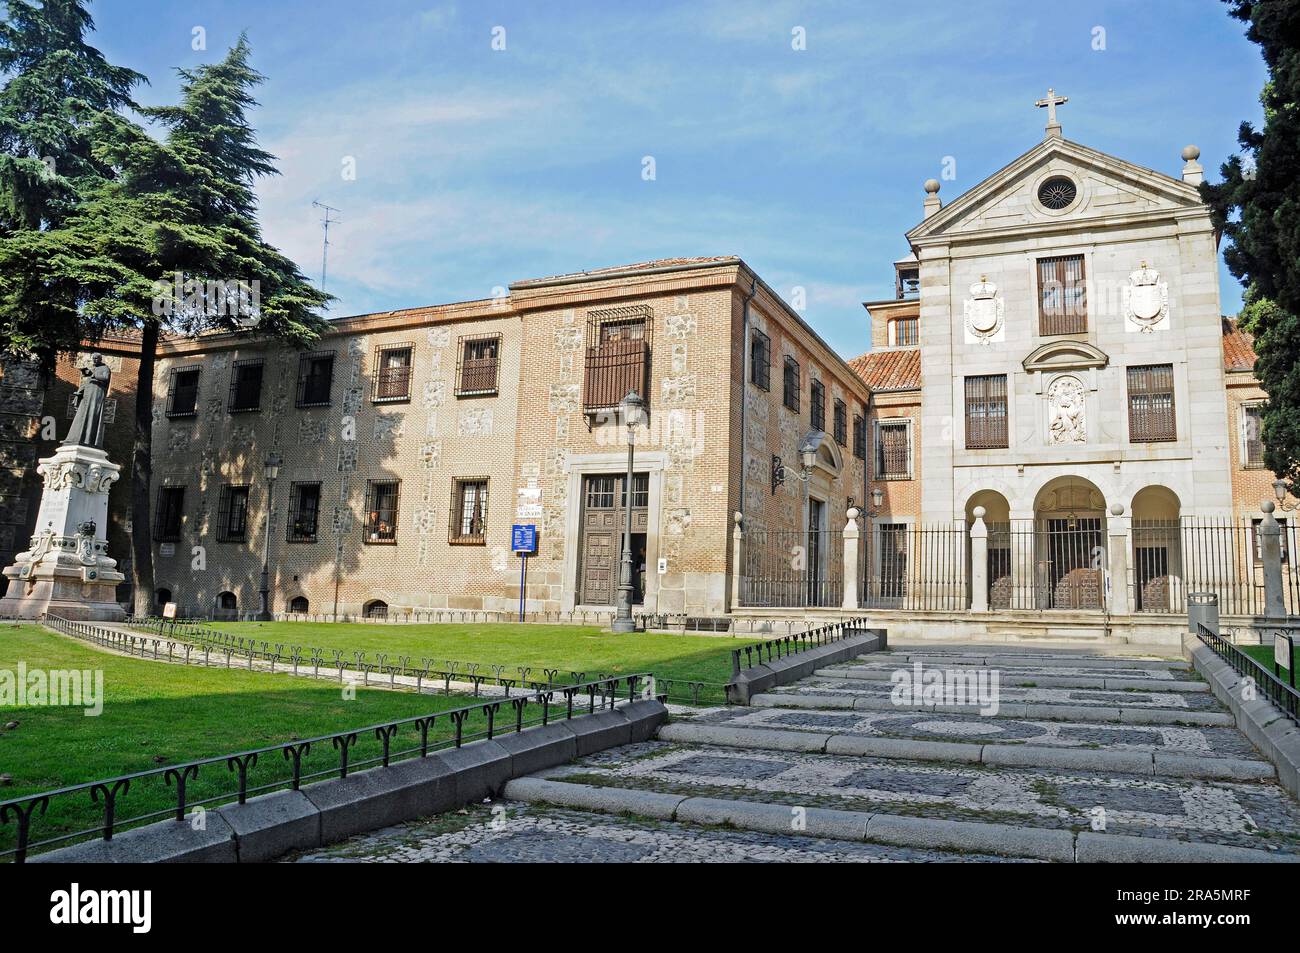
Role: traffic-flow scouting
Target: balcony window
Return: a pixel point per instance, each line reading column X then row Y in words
column 476, row 370
column 618, row 356
column 393, row 372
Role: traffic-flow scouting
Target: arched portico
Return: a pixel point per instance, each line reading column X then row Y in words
column 1157, row 549
column 1069, row 545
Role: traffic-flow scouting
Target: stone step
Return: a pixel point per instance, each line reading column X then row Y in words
column 1012, row 659
column 1052, row 711
column 530, row 831
column 1048, row 813
column 1129, row 761
column 1026, row 678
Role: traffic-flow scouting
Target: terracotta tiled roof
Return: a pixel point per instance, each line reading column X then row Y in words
column 890, row 370
column 638, row 266
column 1238, row 347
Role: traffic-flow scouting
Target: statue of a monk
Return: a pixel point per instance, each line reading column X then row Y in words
column 87, row 428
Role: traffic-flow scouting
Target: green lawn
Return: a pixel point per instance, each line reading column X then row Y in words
column 1264, row 655
column 568, row 648
column 156, row 714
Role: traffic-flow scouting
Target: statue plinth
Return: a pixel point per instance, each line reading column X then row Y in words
column 67, row 570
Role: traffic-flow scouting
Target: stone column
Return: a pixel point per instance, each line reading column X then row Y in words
column 979, row 562
column 1270, row 553
column 851, row 537
column 737, row 534
column 1117, row 530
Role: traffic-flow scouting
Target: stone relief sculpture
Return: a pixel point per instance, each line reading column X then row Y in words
column 984, row 311
column 1146, row 300
column 1065, row 401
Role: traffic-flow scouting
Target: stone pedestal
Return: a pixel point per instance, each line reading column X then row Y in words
column 67, row 570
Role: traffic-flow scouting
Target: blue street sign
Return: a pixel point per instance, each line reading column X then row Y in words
column 523, row 538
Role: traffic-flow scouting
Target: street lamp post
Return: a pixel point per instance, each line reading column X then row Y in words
column 272, row 466
column 633, row 408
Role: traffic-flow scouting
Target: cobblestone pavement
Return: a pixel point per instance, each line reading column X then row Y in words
column 513, row 833
column 770, row 783
column 1093, row 697
column 942, row 726
column 1244, row 814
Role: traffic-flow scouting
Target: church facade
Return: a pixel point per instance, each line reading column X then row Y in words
column 1053, row 369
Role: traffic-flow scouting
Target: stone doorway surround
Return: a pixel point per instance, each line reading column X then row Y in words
column 650, row 462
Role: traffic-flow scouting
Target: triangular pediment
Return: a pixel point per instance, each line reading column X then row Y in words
column 1065, row 355
column 1107, row 188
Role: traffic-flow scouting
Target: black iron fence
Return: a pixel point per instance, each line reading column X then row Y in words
column 207, row 783
column 749, row 656
column 921, row 567
column 1284, row 696
column 792, row 567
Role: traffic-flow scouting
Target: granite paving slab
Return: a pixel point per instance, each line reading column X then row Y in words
column 1192, row 701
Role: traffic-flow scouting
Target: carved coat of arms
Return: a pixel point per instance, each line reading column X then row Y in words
column 1146, row 298
column 984, row 310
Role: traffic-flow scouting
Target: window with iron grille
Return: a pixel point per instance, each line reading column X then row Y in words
column 841, row 421
column 1062, row 295
column 183, row 392
column 232, row 514
column 817, row 405
column 476, row 367
column 760, row 359
column 381, row 511
column 893, row 450
column 245, row 386
column 986, row 411
column 859, row 437
column 168, row 514
column 1151, row 403
column 393, row 372
column 640, row 490
column 618, row 356
column 1252, row 436
column 904, row 332
column 315, row 378
column 304, row 512
column 600, row 492
column 791, row 384
column 469, row 499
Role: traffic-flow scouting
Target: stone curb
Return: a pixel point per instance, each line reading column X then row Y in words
column 1181, row 686
column 792, row 668
column 1151, row 764
column 1004, row 840
column 1049, row 712
column 328, row 811
column 1268, row 729
column 1011, row 659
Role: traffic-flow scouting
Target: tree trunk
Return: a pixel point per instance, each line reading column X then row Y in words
column 141, row 474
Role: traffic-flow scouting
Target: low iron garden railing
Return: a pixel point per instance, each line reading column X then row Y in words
column 288, row 765
column 762, row 652
column 1284, row 696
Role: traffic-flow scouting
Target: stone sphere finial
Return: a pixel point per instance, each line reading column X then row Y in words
column 932, row 186
column 979, row 512
column 853, row 513
column 1117, row 509
column 737, row 517
column 1268, row 506
column 1191, row 153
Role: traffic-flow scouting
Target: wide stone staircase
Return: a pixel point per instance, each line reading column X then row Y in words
column 1076, row 757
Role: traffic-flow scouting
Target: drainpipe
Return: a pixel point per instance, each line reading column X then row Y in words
column 744, row 389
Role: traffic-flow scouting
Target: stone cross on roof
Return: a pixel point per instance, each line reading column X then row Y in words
column 1051, row 101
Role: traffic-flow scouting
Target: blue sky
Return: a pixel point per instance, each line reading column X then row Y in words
column 476, row 167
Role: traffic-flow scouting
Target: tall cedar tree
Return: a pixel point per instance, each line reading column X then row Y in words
column 186, row 206
column 56, row 86
column 1257, row 206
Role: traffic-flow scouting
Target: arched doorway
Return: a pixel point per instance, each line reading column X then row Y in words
column 227, row 606
column 1157, row 550
column 299, row 605
column 997, row 519
column 1069, row 545
column 161, row 597
column 375, row 609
